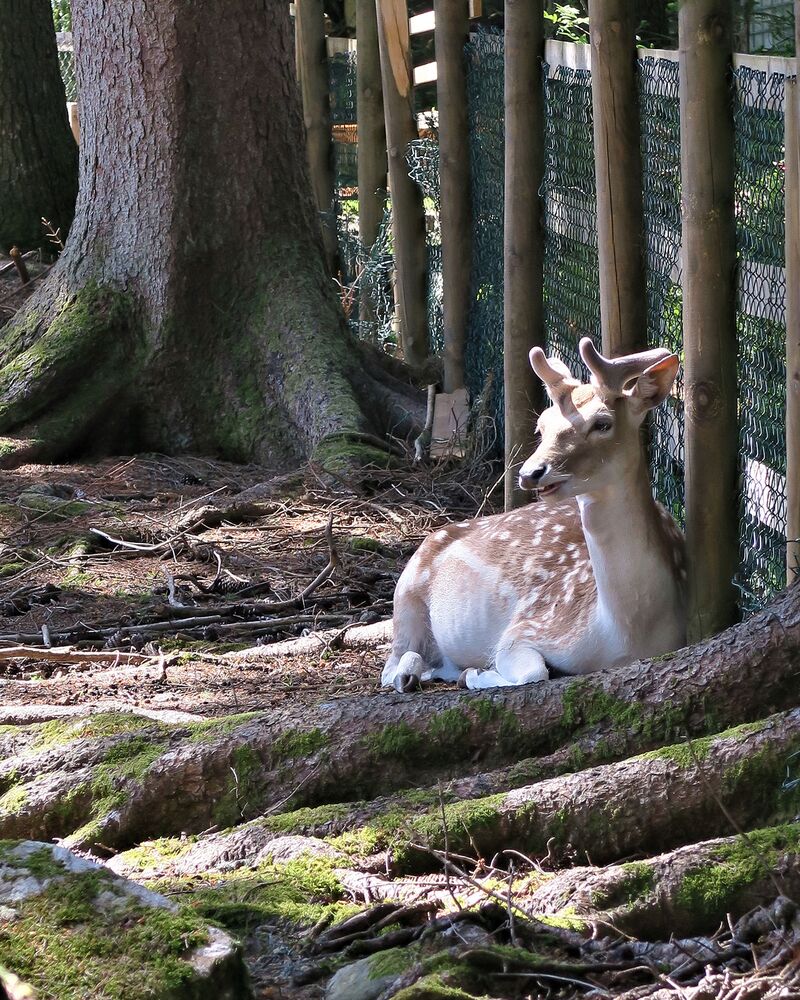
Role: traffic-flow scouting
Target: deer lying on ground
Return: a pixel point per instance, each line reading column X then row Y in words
column 591, row 577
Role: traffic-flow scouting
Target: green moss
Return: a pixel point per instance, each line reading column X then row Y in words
column 10, row 568
column 340, row 454
column 691, row 752
column 586, row 704
column 363, row 543
column 99, row 726
column 153, row 853
column 467, row 823
column 211, row 729
column 98, row 951
column 713, row 888
column 434, row 987
column 307, row 819
column 392, row 962
column 244, row 791
column 40, row 863
column 301, row 743
column 300, row 893
column 50, row 508
column 637, row 882
column 486, row 709
column 450, row 729
column 13, row 800
column 395, row 739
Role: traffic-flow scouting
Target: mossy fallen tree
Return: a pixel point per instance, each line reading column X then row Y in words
column 130, row 778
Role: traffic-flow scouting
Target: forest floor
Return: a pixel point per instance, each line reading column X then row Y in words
column 171, row 591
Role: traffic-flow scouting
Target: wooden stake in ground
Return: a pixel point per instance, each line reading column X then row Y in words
column 371, row 128
column 709, row 319
column 523, row 245
column 408, row 214
column 793, row 325
column 452, row 21
column 618, row 174
column 312, row 72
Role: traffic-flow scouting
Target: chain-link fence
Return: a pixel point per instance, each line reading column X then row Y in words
column 66, row 63
column 571, row 280
column 484, row 338
column 761, row 328
column 661, row 186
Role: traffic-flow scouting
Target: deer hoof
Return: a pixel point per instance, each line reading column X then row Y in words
column 406, row 683
column 462, row 679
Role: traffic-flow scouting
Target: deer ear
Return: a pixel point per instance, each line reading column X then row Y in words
column 653, row 386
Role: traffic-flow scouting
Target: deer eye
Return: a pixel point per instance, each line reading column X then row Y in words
column 602, row 425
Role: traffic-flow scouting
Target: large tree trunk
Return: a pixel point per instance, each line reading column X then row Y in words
column 191, row 308
column 38, row 155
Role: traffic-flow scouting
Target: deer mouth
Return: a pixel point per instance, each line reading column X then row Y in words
column 547, row 491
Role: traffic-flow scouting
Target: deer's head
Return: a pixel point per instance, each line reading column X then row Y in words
column 590, row 435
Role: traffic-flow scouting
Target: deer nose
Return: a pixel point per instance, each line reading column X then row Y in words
column 528, row 478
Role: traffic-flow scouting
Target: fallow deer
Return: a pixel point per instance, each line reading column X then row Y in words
column 592, row 576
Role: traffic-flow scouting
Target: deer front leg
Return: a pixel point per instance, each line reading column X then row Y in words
column 516, row 662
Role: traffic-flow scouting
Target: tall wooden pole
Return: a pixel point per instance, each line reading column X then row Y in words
column 312, row 73
column 709, row 318
column 371, row 128
column 792, row 175
column 618, row 173
column 523, row 243
column 408, row 214
column 451, row 30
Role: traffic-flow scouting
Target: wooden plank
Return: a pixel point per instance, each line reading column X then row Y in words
column 792, row 163
column 408, row 215
column 452, row 27
column 420, row 24
column 523, row 245
column 426, row 73
column 618, row 176
column 709, row 318
column 312, row 74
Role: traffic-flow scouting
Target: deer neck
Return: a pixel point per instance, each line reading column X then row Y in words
column 622, row 529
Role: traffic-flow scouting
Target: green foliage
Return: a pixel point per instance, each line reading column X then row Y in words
column 62, row 15
column 568, row 23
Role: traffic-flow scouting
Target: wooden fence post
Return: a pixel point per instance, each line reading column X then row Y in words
column 618, row 174
column 312, row 73
column 523, row 244
column 792, row 163
column 451, row 33
column 408, row 213
column 709, row 316
column 371, row 129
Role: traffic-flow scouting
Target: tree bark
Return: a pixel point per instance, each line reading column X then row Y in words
column 312, row 70
column 38, row 156
column 191, row 309
column 687, row 891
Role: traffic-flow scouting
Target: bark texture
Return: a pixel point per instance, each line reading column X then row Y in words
column 191, row 309
column 38, row 155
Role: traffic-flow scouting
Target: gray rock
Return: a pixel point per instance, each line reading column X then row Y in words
column 41, row 885
column 367, row 978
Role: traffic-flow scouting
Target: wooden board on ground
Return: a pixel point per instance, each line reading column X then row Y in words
column 449, row 435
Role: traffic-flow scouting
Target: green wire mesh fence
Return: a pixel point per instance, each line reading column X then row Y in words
column 66, row 63
column 484, row 336
column 661, row 187
column 761, row 329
